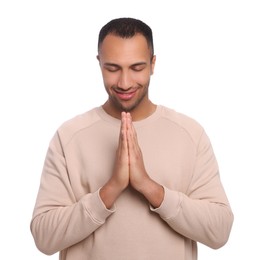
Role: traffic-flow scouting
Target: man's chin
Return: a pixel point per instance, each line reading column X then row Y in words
column 125, row 107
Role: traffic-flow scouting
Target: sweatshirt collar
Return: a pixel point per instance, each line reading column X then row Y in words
column 105, row 116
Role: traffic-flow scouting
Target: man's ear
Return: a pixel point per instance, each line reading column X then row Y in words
column 153, row 61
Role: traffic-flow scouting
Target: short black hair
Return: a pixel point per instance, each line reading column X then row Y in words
column 126, row 28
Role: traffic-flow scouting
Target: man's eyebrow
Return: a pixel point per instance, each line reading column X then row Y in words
column 139, row 63
column 111, row 64
column 132, row 65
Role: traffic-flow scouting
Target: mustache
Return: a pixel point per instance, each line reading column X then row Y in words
column 128, row 90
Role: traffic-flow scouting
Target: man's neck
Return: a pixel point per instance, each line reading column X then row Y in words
column 137, row 114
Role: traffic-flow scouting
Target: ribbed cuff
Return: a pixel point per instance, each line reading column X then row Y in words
column 170, row 205
column 96, row 208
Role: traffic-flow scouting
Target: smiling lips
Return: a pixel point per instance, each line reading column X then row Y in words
column 125, row 95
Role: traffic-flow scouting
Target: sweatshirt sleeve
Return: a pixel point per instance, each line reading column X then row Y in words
column 59, row 221
column 203, row 214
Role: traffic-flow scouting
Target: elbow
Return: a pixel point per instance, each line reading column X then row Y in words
column 217, row 243
column 220, row 237
column 45, row 249
column 40, row 240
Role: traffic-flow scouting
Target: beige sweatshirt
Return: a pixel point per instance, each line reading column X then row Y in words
column 70, row 217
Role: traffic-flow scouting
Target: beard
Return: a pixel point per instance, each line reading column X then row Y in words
column 128, row 107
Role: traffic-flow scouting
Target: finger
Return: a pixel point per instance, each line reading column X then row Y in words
column 123, row 132
column 132, row 135
column 129, row 126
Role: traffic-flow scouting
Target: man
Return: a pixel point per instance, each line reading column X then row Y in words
column 130, row 179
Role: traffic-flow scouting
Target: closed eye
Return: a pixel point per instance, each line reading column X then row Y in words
column 112, row 68
column 138, row 67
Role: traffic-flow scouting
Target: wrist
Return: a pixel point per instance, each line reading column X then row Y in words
column 110, row 192
column 153, row 192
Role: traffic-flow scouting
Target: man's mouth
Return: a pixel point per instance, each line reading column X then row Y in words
column 125, row 95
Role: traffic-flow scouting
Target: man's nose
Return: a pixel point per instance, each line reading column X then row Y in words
column 125, row 80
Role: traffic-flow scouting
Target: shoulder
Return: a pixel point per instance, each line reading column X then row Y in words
column 79, row 123
column 185, row 123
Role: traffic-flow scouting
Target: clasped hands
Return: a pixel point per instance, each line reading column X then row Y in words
column 129, row 169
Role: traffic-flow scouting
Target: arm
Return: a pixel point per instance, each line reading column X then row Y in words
column 204, row 214
column 59, row 221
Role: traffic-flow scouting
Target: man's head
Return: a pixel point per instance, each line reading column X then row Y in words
column 125, row 54
column 127, row 28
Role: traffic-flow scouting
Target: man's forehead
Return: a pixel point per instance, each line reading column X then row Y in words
column 112, row 41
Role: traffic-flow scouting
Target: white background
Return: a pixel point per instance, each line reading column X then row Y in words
column 208, row 67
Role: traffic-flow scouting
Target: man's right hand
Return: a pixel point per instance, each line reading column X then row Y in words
column 120, row 177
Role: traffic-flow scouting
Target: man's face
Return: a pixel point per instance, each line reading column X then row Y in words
column 126, row 66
